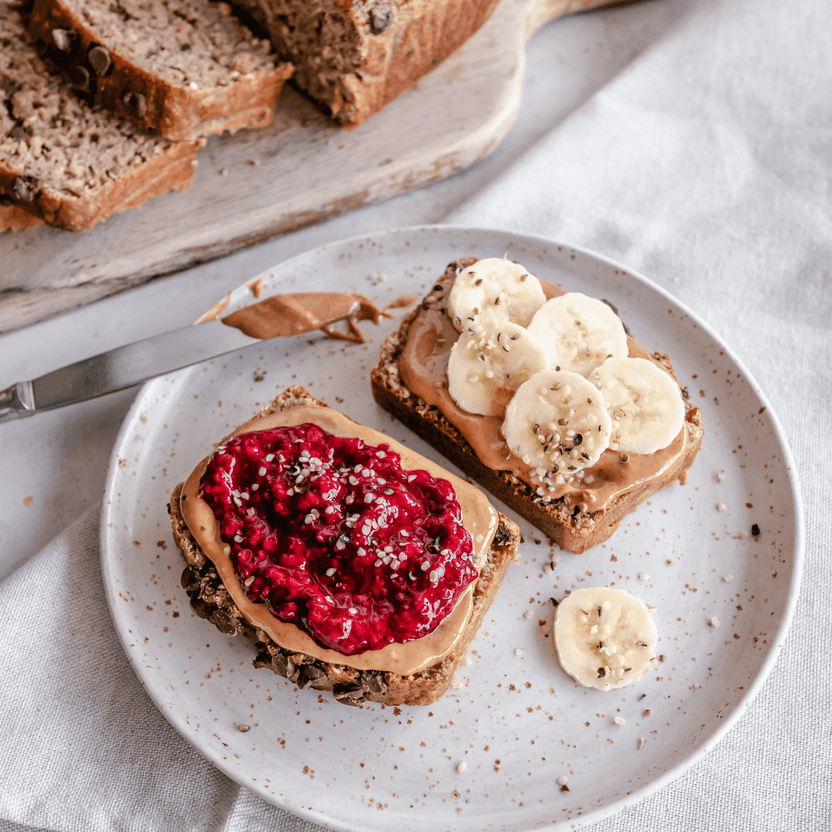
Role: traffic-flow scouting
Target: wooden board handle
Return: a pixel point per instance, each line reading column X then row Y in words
column 540, row 12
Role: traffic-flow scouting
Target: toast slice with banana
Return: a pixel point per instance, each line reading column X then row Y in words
column 540, row 395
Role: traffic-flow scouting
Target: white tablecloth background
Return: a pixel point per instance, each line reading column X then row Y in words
column 705, row 163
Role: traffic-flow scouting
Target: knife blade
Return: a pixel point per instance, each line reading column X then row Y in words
column 123, row 367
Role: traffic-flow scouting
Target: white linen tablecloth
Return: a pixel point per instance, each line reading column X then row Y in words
column 706, row 164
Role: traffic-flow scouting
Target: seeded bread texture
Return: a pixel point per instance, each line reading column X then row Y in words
column 62, row 160
column 211, row 600
column 355, row 56
column 186, row 68
column 562, row 520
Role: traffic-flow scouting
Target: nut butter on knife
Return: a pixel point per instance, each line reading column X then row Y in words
column 276, row 316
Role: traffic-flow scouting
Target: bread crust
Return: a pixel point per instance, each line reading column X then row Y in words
column 131, row 91
column 211, row 600
column 560, row 520
column 15, row 218
column 421, row 37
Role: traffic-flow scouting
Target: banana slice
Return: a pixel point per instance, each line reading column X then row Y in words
column 644, row 401
column 604, row 638
column 494, row 289
column 485, row 369
column 558, row 423
column 579, row 332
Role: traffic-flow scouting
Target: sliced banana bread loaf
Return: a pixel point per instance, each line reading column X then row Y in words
column 186, row 68
column 355, row 56
column 69, row 163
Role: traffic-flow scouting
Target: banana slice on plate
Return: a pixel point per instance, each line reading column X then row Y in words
column 644, row 401
column 485, row 369
column 494, row 289
column 558, row 423
column 579, row 332
column 604, row 638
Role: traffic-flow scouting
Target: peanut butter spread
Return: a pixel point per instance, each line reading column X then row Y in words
column 294, row 314
column 479, row 518
column 423, row 367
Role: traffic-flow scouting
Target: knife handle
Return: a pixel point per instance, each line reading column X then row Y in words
column 16, row 401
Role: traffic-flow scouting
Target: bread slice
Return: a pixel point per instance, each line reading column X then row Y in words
column 562, row 520
column 211, row 600
column 62, row 160
column 186, row 68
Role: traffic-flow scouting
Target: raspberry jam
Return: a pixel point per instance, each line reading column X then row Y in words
column 335, row 537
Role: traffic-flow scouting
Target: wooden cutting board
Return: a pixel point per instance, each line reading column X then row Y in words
column 299, row 171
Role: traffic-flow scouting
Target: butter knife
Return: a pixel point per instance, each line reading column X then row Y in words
column 123, row 367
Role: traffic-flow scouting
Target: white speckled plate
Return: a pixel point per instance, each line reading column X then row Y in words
column 518, row 721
